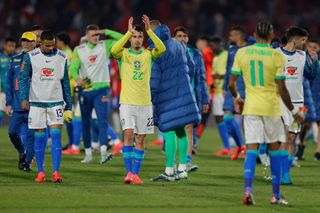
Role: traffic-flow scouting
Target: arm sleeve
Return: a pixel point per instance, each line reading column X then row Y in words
column 280, row 67
column 117, row 48
column 203, row 81
column 159, row 46
column 65, row 83
column 311, row 68
column 236, row 69
column 75, row 64
column 24, row 77
column 110, row 42
column 9, row 92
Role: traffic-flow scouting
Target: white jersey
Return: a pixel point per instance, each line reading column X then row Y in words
column 47, row 73
column 94, row 63
column 294, row 69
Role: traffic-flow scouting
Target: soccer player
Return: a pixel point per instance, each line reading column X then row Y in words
column 202, row 44
column 47, row 71
column 63, row 42
column 136, row 113
column 174, row 103
column 19, row 117
column 219, row 70
column 238, row 39
column 262, row 69
column 296, row 68
column 198, row 84
column 5, row 56
column 90, row 69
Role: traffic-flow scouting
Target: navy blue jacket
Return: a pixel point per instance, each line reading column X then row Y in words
column 171, row 93
column 200, row 83
column 12, row 91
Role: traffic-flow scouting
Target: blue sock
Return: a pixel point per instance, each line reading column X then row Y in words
column 1, row 117
column 263, row 148
column 112, row 133
column 137, row 161
column 56, row 148
column 249, row 169
column 233, row 129
column 39, row 149
column 128, row 157
column 70, row 133
column 223, row 132
column 77, row 131
column 284, row 162
column 275, row 166
column 189, row 159
column 30, row 146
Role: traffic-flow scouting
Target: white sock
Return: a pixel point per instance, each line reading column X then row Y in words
column 182, row 167
column 169, row 170
column 95, row 145
column 88, row 151
column 103, row 150
column 75, row 147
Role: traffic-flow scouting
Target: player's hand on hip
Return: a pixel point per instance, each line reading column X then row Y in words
column 25, row 105
column 298, row 117
column 238, row 105
column 67, row 116
column 146, row 22
column 9, row 110
column 205, row 108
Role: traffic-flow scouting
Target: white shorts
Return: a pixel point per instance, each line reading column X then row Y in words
column 218, row 105
column 2, row 101
column 263, row 129
column 138, row 118
column 288, row 118
column 40, row 117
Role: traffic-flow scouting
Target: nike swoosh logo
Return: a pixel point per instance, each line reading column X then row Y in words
column 48, row 61
column 290, row 60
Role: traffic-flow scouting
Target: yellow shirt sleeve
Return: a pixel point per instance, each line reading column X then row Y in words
column 159, row 46
column 117, row 48
column 236, row 69
column 279, row 62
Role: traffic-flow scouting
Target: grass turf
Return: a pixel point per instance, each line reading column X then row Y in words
column 216, row 187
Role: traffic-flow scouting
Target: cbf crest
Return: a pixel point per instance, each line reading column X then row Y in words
column 137, row 65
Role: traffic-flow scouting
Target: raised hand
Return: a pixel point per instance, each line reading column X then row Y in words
column 130, row 24
column 146, row 22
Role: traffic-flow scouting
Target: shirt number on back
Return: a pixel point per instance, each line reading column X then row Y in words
column 253, row 72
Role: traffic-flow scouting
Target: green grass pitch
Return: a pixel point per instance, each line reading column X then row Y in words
column 216, row 187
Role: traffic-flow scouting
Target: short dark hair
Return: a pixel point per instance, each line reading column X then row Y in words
column 264, row 29
column 204, row 37
column 9, row 39
column 36, row 27
column 180, row 28
column 138, row 27
column 215, row 39
column 284, row 40
column 296, row 32
column 92, row 27
column 239, row 29
column 64, row 37
column 47, row 35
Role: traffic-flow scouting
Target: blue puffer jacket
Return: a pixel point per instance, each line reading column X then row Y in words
column 315, row 90
column 171, row 92
column 200, row 83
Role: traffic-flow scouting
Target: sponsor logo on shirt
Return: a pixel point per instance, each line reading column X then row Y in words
column 92, row 59
column 292, row 72
column 46, row 74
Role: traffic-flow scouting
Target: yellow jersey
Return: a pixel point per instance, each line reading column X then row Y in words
column 219, row 65
column 135, row 73
column 260, row 65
